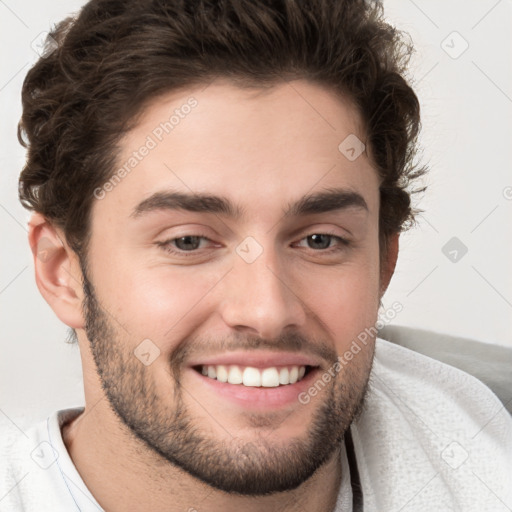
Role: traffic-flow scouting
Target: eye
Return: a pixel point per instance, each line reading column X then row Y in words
column 322, row 241
column 183, row 244
column 190, row 245
column 188, row 242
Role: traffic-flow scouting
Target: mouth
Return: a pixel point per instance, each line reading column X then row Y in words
column 250, row 376
column 256, row 381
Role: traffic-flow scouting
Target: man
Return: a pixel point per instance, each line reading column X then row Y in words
column 218, row 190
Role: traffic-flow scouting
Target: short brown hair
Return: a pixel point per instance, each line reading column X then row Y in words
column 116, row 55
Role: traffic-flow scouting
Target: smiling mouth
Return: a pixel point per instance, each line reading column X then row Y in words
column 249, row 376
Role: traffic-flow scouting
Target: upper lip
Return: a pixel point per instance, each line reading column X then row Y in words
column 258, row 359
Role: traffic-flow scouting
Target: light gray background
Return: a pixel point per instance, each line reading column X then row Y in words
column 467, row 106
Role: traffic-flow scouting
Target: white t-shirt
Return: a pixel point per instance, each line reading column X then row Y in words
column 431, row 437
column 37, row 473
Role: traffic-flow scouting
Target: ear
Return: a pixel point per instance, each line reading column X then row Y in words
column 388, row 263
column 57, row 271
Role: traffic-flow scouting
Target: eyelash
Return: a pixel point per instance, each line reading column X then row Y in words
column 167, row 247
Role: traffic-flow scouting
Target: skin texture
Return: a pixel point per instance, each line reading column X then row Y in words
column 146, row 430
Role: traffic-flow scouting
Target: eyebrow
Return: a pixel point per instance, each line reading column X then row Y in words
column 328, row 200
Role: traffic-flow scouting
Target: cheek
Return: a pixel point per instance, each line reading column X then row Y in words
column 161, row 303
column 345, row 299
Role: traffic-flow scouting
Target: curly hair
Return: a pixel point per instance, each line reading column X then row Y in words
column 115, row 55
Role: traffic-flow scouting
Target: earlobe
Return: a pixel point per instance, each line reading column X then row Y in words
column 389, row 262
column 57, row 271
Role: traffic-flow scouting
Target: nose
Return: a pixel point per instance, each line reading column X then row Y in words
column 260, row 298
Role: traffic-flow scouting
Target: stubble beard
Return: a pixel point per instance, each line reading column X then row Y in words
column 251, row 468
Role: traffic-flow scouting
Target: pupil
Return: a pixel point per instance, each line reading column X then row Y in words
column 317, row 240
column 194, row 240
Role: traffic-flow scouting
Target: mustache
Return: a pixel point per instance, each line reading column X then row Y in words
column 289, row 342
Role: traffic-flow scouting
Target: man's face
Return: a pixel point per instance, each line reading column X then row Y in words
column 264, row 297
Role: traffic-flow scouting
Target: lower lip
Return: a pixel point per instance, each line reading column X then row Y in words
column 258, row 397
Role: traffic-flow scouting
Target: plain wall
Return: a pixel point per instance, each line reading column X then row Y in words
column 467, row 119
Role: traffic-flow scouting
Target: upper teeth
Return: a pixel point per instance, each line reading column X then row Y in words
column 255, row 377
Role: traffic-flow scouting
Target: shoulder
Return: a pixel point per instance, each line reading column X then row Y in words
column 433, row 434
column 488, row 362
column 16, row 462
column 422, row 380
column 34, row 467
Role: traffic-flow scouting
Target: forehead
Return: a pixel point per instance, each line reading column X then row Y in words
column 264, row 147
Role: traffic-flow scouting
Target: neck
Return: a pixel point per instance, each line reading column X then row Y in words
column 123, row 474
